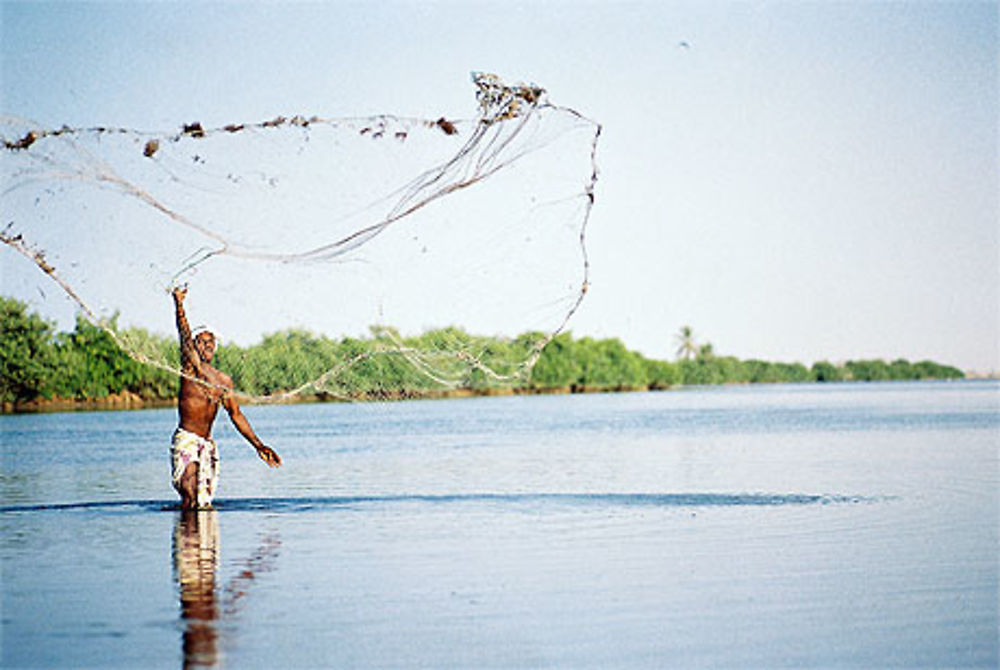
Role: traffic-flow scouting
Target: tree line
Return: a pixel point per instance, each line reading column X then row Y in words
column 86, row 364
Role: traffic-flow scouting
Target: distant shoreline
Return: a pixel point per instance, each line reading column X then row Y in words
column 88, row 369
column 131, row 401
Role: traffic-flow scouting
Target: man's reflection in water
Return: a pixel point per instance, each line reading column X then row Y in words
column 196, row 560
column 196, row 564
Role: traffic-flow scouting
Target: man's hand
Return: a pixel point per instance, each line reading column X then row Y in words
column 179, row 293
column 269, row 456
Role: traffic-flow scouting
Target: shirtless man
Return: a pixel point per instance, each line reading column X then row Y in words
column 203, row 388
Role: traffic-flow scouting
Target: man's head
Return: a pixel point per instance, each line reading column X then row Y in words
column 204, row 344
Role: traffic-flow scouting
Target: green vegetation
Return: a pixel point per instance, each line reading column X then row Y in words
column 85, row 364
column 36, row 362
column 27, row 357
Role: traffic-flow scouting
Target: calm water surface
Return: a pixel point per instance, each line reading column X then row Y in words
column 822, row 525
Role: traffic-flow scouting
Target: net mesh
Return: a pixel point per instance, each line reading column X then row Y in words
column 429, row 254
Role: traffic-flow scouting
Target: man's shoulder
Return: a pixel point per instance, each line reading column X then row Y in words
column 221, row 378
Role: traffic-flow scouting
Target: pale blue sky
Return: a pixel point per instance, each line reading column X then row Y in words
column 807, row 181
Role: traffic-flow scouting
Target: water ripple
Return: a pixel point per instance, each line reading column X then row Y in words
column 302, row 504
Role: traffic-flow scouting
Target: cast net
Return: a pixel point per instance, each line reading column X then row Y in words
column 347, row 257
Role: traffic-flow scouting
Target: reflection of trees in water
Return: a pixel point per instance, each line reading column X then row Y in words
column 196, row 563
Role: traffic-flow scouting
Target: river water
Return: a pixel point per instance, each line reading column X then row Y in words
column 763, row 526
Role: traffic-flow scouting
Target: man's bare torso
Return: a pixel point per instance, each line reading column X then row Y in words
column 198, row 403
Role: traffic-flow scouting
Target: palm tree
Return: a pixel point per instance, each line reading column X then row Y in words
column 685, row 338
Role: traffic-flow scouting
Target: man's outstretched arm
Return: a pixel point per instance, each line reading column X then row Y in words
column 266, row 453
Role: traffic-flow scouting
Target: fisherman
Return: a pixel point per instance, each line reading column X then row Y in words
column 203, row 389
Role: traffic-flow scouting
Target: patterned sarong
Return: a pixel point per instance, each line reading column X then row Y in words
column 188, row 448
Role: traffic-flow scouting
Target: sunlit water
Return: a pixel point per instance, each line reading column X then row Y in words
column 843, row 525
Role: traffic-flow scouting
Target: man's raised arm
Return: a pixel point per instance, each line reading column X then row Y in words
column 189, row 355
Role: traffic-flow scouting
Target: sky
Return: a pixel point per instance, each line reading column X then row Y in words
column 795, row 181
